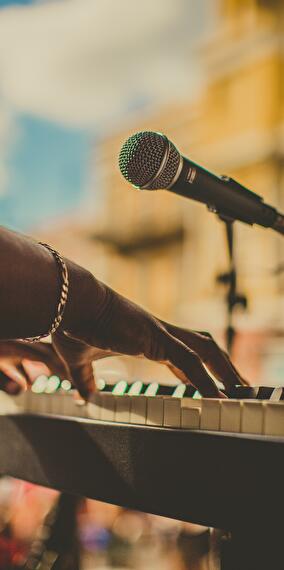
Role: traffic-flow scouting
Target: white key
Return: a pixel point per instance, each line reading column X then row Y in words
column 138, row 409
column 179, row 391
column 172, row 412
column 68, row 404
column 230, row 416
column 31, row 402
column 210, row 414
column 20, row 401
column 38, row 403
column 155, row 410
column 8, row 404
column 94, row 407
column 274, row 418
column 65, row 402
column 122, row 409
column 191, row 403
column 81, row 408
column 190, row 418
column 55, row 403
column 252, row 417
column 276, row 394
column 108, row 407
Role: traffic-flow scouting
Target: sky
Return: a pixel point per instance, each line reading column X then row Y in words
column 73, row 71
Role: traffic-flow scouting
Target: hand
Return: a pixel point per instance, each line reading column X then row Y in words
column 116, row 325
column 14, row 358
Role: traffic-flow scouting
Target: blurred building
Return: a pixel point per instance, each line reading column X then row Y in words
column 165, row 252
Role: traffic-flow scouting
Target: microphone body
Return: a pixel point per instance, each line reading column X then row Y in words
column 151, row 162
column 224, row 196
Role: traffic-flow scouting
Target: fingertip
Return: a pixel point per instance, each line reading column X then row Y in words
column 13, row 389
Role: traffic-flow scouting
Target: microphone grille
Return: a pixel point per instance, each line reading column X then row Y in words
column 141, row 160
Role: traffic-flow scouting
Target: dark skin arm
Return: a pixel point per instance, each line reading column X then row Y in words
column 96, row 319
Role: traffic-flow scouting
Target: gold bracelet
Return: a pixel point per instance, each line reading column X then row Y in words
column 63, row 295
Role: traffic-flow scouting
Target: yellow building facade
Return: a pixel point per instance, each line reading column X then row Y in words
column 165, row 252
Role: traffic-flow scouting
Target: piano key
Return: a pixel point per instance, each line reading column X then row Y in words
column 66, row 385
column 210, row 414
column 39, row 384
column 52, row 385
column 136, row 388
column 155, row 411
column 81, row 408
column 230, row 419
column 185, row 391
column 102, row 386
column 38, row 403
column 120, row 388
column 256, row 393
column 276, row 394
column 94, row 407
column 165, row 390
column 265, row 392
column 252, row 417
column 55, row 403
column 243, row 392
column 179, row 391
column 190, row 418
column 9, row 404
column 172, row 412
column 138, row 409
column 274, row 418
column 68, row 407
column 108, row 407
column 122, row 408
column 20, row 401
column 152, row 389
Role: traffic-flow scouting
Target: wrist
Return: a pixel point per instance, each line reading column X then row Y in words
column 86, row 296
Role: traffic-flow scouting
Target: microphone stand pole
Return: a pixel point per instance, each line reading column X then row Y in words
column 229, row 278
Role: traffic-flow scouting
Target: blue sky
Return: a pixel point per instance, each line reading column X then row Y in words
column 65, row 81
column 47, row 166
column 10, row 2
column 48, row 169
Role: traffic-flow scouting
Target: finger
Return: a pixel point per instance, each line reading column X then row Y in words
column 243, row 380
column 78, row 358
column 210, row 354
column 83, row 379
column 37, row 352
column 189, row 363
column 176, row 371
column 21, row 369
column 9, row 386
column 14, row 375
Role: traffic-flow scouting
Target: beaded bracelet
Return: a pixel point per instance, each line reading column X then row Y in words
column 63, row 295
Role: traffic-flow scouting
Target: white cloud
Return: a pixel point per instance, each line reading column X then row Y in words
column 83, row 61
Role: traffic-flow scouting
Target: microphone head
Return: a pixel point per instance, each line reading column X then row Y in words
column 148, row 160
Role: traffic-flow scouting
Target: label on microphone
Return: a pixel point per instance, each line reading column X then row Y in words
column 191, row 174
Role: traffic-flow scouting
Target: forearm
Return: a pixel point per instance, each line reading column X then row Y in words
column 30, row 285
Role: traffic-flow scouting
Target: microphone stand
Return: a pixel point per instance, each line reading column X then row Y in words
column 229, row 279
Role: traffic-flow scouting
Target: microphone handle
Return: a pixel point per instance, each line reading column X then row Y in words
column 225, row 197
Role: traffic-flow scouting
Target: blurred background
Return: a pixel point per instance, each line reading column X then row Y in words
column 77, row 77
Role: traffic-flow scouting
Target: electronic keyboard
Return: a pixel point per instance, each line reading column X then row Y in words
column 214, row 462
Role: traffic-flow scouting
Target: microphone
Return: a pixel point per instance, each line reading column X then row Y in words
column 150, row 161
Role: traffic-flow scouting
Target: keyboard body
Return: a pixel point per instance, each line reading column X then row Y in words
column 214, row 478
